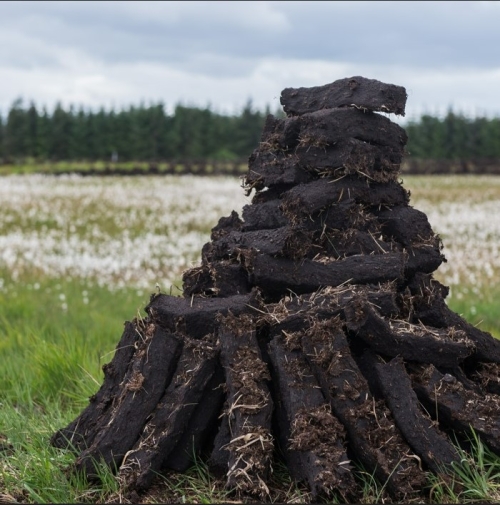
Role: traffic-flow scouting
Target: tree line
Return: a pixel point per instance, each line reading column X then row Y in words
column 146, row 133
column 454, row 137
column 149, row 133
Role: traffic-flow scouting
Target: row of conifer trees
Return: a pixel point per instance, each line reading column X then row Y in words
column 150, row 133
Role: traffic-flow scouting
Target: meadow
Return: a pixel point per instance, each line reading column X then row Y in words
column 81, row 255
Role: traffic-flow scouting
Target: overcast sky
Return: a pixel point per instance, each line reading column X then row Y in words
column 223, row 53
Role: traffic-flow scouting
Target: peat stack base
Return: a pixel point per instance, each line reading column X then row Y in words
column 313, row 330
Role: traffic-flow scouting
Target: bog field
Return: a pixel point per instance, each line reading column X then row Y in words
column 81, row 255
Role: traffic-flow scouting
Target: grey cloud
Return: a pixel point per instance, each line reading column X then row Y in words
column 193, row 35
column 131, row 32
column 430, row 34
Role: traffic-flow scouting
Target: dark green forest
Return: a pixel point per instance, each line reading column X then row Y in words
column 454, row 137
column 145, row 133
column 149, row 133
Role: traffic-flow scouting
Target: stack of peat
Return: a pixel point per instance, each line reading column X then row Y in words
column 313, row 330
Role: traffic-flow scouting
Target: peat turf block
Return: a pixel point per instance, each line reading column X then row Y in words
column 368, row 94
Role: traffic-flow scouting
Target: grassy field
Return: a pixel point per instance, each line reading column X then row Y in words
column 79, row 256
column 31, row 166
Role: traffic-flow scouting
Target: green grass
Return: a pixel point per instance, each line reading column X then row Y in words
column 59, row 167
column 476, row 478
column 57, row 334
column 481, row 311
column 32, row 471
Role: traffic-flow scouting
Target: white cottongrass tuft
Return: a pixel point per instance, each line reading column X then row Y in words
column 131, row 231
column 139, row 231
